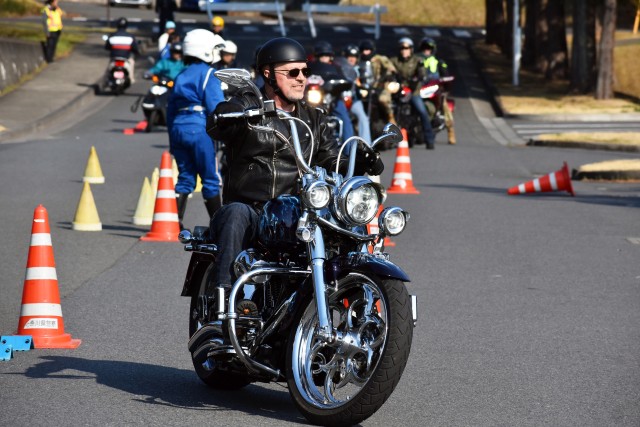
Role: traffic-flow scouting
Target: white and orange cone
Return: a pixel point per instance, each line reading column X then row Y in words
column 165, row 226
column 41, row 312
column 555, row 181
column 402, row 182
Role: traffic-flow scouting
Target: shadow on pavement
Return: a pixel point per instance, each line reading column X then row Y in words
column 163, row 385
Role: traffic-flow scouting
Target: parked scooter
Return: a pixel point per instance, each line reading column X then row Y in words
column 154, row 103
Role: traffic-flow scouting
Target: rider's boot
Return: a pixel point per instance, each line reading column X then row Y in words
column 181, row 199
column 451, row 135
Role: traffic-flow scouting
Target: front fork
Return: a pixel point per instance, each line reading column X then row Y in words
column 317, row 254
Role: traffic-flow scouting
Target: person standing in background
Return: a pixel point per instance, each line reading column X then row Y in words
column 165, row 9
column 169, row 28
column 52, row 21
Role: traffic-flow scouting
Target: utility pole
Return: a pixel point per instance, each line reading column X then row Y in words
column 517, row 39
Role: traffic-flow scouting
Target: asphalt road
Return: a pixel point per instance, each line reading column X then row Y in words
column 529, row 305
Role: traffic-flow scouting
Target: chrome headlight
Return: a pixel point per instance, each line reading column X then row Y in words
column 158, row 90
column 358, row 201
column 314, row 96
column 316, row 195
column 392, row 221
column 392, row 87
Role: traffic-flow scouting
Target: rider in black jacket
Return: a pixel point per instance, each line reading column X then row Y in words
column 262, row 167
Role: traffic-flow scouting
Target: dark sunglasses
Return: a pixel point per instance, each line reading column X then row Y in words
column 295, row 72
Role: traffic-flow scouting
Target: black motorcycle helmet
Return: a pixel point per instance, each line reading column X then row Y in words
column 176, row 48
column 122, row 24
column 367, row 45
column 428, row 43
column 351, row 50
column 281, row 49
column 323, row 48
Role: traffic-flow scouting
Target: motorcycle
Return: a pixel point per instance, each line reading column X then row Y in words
column 404, row 112
column 311, row 305
column 324, row 94
column 434, row 94
column 117, row 76
column 154, row 103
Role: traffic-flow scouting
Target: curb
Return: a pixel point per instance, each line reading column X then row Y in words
column 611, row 175
column 584, row 145
column 41, row 123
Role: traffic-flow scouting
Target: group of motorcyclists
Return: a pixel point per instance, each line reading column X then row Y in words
column 196, row 92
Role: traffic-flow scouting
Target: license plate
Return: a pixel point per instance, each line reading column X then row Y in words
column 118, row 74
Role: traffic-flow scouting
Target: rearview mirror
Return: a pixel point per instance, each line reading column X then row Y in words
column 391, row 133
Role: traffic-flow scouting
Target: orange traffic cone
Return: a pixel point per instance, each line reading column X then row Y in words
column 373, row 228
column 165, row 226
column 41, row 313
column 555, row 181
column 402, row 181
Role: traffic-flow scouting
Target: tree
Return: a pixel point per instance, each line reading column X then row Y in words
column 557, row 57
column 583, row 52
column 604, row 85
column 494, row 22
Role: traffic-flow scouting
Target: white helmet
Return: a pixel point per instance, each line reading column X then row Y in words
column 229, row 47
column 203, row 44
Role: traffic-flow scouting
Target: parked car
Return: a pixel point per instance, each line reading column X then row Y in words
column 146, row 3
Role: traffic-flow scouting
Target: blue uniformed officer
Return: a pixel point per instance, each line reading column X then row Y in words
column 196, row 93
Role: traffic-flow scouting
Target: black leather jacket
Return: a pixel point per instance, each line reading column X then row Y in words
column 260, row 166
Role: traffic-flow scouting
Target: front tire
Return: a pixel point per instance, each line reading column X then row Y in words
column 346, row 381
column 211, row 371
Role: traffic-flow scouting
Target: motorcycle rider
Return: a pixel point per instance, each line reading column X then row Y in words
column 168, row 67
column 435, row 69
column 323, row 66
column 196, row 93
column 169, row 28
column 375, row 69
column 227, row 56
column 411, row 73
column 217, row 26
column 348, row 63
column 123, row 44
column 261, row 166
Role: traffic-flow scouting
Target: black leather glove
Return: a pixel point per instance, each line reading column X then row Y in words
column 375, row 166
column 214, row 121
column 369, row 163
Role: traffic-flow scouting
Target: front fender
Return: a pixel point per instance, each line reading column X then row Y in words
column 366, row 263
column 198, row 265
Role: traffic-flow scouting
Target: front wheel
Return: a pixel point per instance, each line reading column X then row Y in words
column 214, row 372
column 347, row 380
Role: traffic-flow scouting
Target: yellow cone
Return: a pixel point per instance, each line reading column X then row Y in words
column 93, row 171
column 87, row 218
column 198, row 184
column 155, row 177
column 146, row 203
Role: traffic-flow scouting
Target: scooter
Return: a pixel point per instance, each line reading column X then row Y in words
column 118, row 78
column 154, row 103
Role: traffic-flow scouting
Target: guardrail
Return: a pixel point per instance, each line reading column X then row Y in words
column 334, row 8
column 276, row 7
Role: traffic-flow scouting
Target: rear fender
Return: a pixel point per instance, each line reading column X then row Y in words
column 198, row 266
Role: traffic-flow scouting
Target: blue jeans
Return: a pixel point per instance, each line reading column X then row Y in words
column 340, row 110
column 233, row 228
column 195, row 155
column 418, row 104
column 364, row 130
